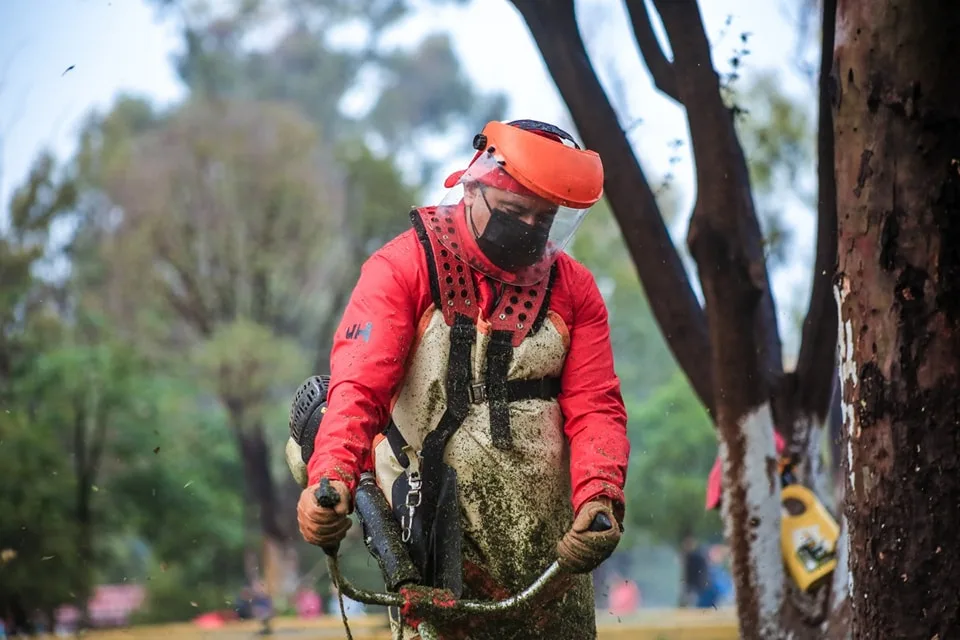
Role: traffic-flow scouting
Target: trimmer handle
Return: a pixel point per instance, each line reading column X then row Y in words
column 328, row 498
column 600, row 522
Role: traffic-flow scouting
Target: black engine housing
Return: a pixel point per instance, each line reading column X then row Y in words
column 306, row 412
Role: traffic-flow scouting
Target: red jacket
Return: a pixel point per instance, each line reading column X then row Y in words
column 373, row 343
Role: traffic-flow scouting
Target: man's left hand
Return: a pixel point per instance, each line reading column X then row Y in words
column 582, row 550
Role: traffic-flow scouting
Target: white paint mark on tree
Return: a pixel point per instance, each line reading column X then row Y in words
column 765, row 564
column 848, row 381
column 848, row 373
column 842, row 577
column 816, row 476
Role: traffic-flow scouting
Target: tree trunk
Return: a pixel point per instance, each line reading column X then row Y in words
column 897, row 122
column 82, row 514
column 279, row 559
column 835, row 435
column 19, row 617
column 84, row 533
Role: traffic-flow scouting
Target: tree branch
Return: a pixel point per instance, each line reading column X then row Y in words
column 188, row 313
column 660, row 68
column 99, row 440
column 817, row 360
column 191, row 305
column 262, row 303
column 672, row 300
column 721, row 171
column 79, row 439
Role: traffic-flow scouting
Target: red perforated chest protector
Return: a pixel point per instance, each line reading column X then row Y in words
column 517, row 309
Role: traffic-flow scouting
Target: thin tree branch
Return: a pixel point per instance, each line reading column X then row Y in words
column 721, row 171
column 79, row 440
column 817, row 360
column 189, row 313
column 672, row 300
column 191, row 305
column 660, row 68
column 99, row 441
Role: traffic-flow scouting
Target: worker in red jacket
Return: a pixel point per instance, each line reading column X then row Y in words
column 473, row 372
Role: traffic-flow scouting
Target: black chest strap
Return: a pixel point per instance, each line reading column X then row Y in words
column 530, row 389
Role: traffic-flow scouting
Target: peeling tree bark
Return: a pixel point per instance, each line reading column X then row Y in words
column 898, row 174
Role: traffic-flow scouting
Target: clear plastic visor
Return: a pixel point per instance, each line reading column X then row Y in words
column 502, row 229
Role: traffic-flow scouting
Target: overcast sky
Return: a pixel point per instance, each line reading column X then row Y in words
column 114, row 46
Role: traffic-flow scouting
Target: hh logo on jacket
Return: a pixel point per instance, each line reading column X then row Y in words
column 355, row 332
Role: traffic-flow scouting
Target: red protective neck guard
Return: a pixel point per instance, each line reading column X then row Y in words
column 474, row 256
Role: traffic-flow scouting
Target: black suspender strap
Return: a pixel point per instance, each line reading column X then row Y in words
column 499, row 355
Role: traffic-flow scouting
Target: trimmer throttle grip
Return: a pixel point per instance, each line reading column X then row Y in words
column 601, row 522
column 328, row 498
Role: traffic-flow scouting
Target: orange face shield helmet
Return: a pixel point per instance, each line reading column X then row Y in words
column 515, row 208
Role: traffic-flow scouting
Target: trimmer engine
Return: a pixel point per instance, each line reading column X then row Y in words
column 306, row 412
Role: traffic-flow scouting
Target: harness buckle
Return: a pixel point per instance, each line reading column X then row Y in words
column 477, row 393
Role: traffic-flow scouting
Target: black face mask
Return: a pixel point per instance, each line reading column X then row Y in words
column 510, row 243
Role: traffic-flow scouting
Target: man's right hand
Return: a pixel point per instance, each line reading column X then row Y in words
column 321, row 526
column 582, row 550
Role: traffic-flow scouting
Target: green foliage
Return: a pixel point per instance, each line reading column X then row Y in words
column 378, row 201
column 183, row 499
column 25, row 299
column 673, row 448
column 106, row 140
column 91, row 386
column 249, row 365
column 39, row 563
column 228, row 213
column 642, row 358
column 170, row 600
column 186, row 471
column 179, row 504
column 427, row 91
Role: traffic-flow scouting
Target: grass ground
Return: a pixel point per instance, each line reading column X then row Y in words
column 651, row 624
